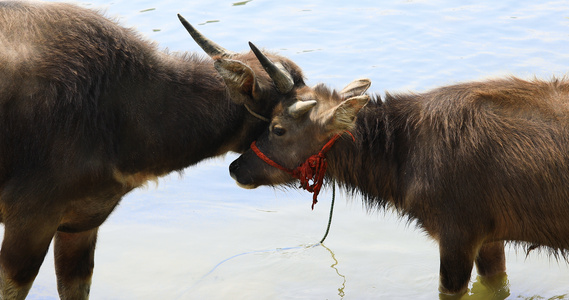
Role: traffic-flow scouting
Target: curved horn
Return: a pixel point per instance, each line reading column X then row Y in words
column 279, row 75
column 211, row 48
column 299, row 108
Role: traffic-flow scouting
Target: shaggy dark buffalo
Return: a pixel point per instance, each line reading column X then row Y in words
column 474, row 164
column 89, row 111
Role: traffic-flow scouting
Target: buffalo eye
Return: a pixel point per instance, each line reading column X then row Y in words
column 278, row 131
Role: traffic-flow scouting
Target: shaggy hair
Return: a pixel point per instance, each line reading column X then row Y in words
column 488, row 156
column 89, row 110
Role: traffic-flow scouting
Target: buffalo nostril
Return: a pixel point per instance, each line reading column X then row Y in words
column 233, row 170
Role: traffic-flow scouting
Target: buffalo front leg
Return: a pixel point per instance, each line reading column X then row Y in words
column 457, row 260
column 491, row 259
column 23, row 250
column 74, row 262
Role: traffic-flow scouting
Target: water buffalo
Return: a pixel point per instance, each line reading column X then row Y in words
column 89, row 110
column 474, row 164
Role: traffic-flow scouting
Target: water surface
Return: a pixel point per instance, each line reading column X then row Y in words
column 199, row 236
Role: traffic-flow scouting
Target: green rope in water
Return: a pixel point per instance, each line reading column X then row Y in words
column 331, row 211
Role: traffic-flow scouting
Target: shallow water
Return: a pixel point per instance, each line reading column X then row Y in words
column 199, row 236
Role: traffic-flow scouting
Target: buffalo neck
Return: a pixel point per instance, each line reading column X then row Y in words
column 175, row 115
column 369, row 165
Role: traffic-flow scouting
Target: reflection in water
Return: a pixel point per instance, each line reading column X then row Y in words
column 247, row 253
column 333, row 266
column 494, row 288
column 485, row 288
column 241, row 3
column 560, row 297
column 208, row 22
column 277, row 250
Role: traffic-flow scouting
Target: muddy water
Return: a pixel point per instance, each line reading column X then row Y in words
column 199, row 236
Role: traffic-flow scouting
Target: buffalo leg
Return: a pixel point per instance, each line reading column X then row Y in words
column 456, row 262
column 25, row 244
column 491, row 259
column 74, row 261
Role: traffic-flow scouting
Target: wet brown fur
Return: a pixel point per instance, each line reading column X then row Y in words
column 474, row 164
column 89, row 111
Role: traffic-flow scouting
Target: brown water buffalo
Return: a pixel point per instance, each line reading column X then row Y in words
column 89, row 111
column 474, row 164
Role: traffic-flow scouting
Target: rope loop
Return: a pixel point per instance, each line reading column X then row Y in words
column 310, row 172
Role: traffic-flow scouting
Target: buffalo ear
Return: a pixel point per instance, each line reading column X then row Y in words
column 239, row 78
column 344, row 115
column 355, row 88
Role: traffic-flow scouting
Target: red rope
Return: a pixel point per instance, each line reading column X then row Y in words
column 313, row 169
column 267, row 159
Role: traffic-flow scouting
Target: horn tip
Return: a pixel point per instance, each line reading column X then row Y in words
column 184, row 22
column 253, row 47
